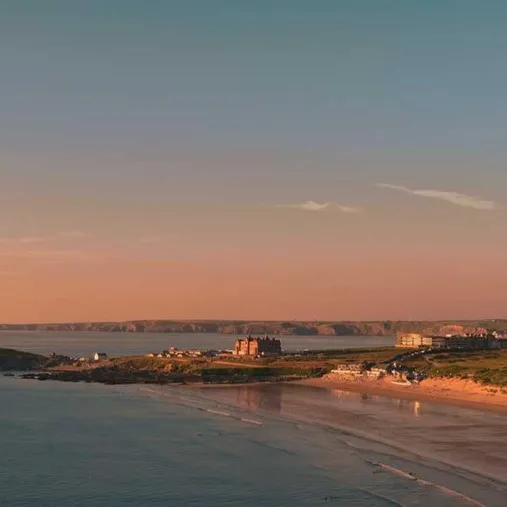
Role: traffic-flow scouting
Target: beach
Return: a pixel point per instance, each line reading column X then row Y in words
column 96, row 445
column 465, row 393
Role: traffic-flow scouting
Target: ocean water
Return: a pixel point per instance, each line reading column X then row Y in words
column 65, row 444
column 115, row 344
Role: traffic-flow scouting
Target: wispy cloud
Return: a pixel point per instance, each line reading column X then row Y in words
column 54, row 255
column 456, row 198
column 315, row 206
column 150, row 240
column 307, row 206
column 24, row 240
column 73, row 234
column 32, row 240
column 349, row 209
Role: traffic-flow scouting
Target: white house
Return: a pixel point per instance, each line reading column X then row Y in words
column 99, row 356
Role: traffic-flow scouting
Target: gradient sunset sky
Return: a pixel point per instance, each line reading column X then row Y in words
column 286, row 159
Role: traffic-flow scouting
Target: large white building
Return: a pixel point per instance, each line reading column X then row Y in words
column 416, row 340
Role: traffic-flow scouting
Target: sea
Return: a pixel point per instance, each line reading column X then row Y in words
column 74, row 444
column 122, row 344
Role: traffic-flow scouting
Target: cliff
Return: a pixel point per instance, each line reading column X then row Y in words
column 345, row 328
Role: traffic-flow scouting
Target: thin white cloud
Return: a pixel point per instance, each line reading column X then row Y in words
column 315, row 206
column 150, row 240
column 73, row 234
column 456, row 198
column 307, row 206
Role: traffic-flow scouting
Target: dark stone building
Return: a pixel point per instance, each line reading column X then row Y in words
column 257, row 347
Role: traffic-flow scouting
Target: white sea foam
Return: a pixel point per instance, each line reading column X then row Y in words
column 251, row 421
column 410, row 476
column 218, row 412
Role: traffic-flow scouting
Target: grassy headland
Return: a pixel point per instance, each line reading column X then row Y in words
column 458, row 374
column 488, row 367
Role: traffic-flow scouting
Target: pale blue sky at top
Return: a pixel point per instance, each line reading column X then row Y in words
column 352, row 84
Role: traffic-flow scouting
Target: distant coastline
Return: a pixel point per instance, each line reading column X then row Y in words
column 474, row 378
column 280, row 328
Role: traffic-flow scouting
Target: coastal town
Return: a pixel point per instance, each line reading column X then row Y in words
column 266, row 346
column 414, row 358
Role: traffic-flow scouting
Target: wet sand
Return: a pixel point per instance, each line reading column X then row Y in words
column 464, row 393
column 461, row 448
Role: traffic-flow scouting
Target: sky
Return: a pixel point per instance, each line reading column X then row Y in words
column 233, row 159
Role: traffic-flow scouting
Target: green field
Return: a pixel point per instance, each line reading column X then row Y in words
column 309, row 364
column 485, row 366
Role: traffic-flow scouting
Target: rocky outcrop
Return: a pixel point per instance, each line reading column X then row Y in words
column 110, row 376
column 15, row 360
column 124, row 373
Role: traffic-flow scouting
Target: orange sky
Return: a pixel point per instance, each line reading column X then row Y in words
column 259, row 283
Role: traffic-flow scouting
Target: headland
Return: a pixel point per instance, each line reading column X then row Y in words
column 280, row 328
column 474, row 376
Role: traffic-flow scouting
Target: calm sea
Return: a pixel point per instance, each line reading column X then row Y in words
column 273, row 445
column 115, row 344
column 66, row 444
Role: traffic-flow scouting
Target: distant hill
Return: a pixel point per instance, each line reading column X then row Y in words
column 324, row 328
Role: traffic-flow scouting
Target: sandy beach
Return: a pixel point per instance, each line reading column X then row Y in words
column 465, row 393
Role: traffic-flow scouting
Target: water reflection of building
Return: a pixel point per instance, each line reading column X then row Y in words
column 341, row 393
column 268, row 397
column 417, row 408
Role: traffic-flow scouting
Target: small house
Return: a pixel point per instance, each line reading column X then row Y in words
column 99, row 356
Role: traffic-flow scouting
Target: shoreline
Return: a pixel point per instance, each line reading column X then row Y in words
column 462, row 393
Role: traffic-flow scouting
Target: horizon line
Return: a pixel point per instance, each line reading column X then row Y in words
column 331, row 321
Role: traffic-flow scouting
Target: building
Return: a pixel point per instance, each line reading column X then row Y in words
column 409, row 340
column 257, row 347
column 99, row 356
column 357, row 371
column 348, row 370
column 416, row 340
